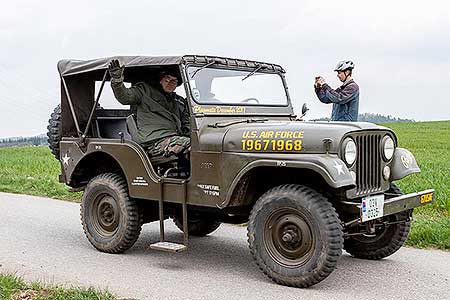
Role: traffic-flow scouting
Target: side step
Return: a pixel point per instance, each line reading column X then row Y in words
column 168, row 247
column 164, row 245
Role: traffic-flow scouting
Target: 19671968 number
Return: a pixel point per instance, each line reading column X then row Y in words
column 271, row 145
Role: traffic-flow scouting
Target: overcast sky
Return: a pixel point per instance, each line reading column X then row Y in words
column 401, row 48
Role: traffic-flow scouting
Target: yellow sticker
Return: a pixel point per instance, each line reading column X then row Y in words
column 426, row 198
column 219, row 109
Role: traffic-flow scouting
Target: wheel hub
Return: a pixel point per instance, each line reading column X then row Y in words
column 106, row 215
column 288, row 237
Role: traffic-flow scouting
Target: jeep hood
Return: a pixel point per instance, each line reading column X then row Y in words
column 311, row 134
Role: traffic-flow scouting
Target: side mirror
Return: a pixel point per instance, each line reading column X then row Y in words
column 304, row 109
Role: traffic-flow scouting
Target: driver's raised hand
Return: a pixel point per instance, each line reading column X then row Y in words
column 116, row 70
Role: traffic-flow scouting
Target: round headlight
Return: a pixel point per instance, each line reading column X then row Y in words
column 388, row 148
column 349, row 151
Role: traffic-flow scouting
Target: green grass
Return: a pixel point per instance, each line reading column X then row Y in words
column 32, row 171
column 430, row 231
column 14, row 288
column 430, row 144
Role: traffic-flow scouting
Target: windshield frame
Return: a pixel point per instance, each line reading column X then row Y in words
column 244, row 69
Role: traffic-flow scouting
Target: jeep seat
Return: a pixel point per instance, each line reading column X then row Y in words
column 132, row 128
column 133, row 131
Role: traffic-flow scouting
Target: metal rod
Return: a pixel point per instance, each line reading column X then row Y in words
column 161, row 212
column 69, row 100
column 185, row 219
column 95, row 103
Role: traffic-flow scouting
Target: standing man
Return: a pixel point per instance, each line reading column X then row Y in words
column 345, row 98
column 162, row 115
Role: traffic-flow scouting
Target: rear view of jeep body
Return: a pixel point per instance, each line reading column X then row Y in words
column 306, row 189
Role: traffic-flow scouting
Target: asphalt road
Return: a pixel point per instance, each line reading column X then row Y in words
column 42, row 239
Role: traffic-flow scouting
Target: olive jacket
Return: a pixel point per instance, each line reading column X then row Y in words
column 158, row 114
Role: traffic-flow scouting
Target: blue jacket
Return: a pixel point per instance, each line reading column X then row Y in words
column 345, row 100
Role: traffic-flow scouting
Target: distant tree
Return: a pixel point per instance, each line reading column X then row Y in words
column 378, row 118
column 374, row 118
column 24, row 141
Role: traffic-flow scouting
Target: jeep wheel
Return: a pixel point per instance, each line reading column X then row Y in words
column 54, row 131
column 198, row 224
column 387, row 239
column 111, row 219
column 295, row 235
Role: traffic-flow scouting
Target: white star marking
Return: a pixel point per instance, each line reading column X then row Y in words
column 339, row 168
column 66, row 159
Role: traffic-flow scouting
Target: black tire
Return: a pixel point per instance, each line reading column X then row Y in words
column 295, row 235
column 111, row 219
column 199, row 224
column 387, row 240
column 54, row 131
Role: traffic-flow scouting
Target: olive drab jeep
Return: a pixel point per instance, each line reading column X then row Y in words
column 307, row 190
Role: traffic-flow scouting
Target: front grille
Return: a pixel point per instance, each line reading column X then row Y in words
column 368, row 164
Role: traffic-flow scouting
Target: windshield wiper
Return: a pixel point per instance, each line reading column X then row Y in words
column 254, row 71
column 202, row 67
column 226, row 124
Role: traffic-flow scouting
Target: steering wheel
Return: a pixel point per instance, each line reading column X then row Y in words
column 250, row 99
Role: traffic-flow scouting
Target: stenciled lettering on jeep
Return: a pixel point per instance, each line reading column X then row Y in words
column 272, row 140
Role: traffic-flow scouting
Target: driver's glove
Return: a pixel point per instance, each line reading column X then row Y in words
column 115, row 71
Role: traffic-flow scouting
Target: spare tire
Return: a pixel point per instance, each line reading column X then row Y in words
column 54, row 131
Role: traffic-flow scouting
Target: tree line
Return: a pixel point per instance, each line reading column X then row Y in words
column 38, row 140
column 375, row 118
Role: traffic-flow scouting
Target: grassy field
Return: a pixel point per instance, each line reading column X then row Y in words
column 430, row 144
column 33, row 170
column 14, row 288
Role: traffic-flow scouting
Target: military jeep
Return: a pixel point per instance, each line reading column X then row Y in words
column 307, row 190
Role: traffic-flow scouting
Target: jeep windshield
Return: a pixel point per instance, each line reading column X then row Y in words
column 225, row 86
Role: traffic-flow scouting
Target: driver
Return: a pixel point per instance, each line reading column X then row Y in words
column 162, row 115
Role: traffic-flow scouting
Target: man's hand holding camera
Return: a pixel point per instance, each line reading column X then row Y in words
column 319, row 81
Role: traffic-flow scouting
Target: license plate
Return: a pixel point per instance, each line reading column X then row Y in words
column 372, row 207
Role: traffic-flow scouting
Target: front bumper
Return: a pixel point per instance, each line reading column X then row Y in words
column 408, row 201
column 396, row 204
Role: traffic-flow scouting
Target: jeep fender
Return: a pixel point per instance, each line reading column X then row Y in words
column 140, row 176
column 332, row 169
column 403, row 164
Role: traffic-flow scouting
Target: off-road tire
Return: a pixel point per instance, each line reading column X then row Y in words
column 111, row 219
column 388, row 241
column 54, row 131
column 293, row 211
column 198, row 224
